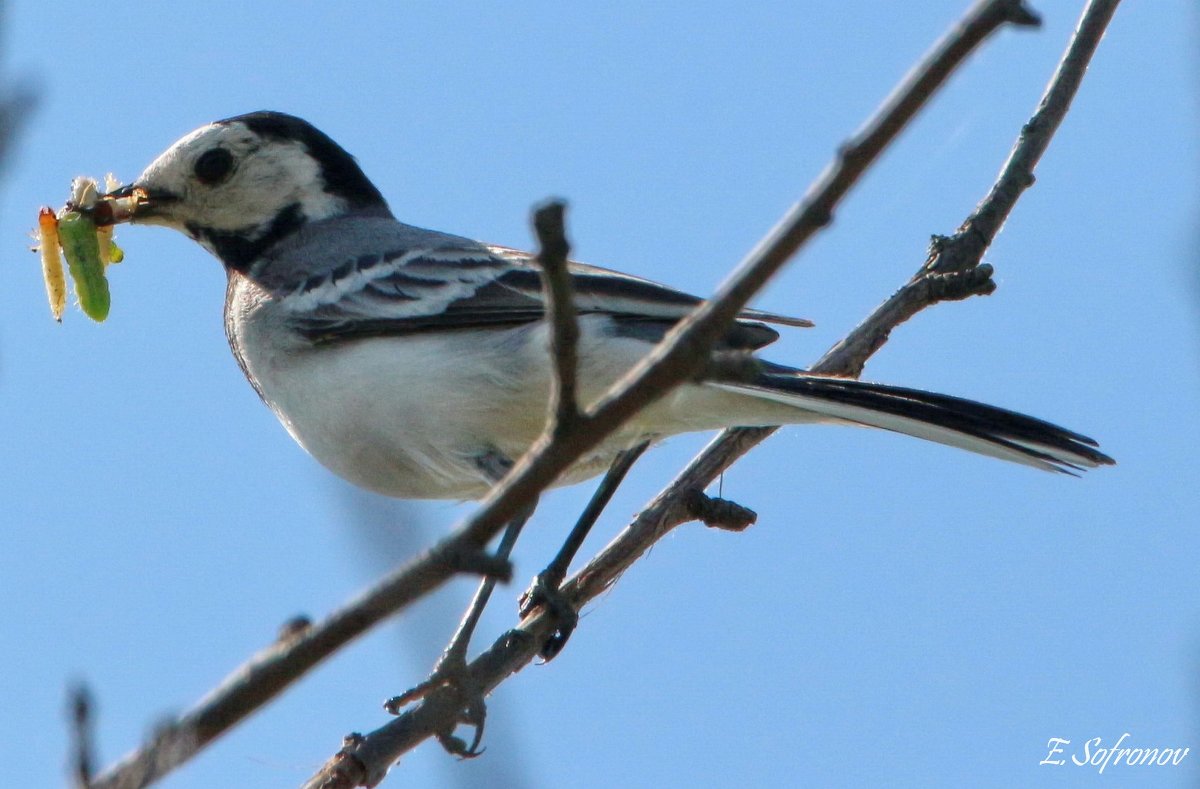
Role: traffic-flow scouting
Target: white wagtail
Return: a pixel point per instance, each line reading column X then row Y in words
column 407, row 360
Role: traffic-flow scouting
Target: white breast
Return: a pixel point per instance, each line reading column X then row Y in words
column 410, row 416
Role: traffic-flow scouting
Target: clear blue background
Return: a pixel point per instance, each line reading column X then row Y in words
column 902, row 614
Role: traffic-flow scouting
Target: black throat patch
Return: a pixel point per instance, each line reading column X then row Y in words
column 238, row 249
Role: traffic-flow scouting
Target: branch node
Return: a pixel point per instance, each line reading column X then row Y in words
column 718, row 513
column 450, row 675
column 959, row 285
column 476, row 561
column 294, row 628
column 553, row 252
column 1018, row 14
column 396, row 704
column 451, row 671
column 345, row 769
column 266, row 678
column 849, row 150
column 80, row 701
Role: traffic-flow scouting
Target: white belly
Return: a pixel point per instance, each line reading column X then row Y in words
column 406, row 417
column 412, row 416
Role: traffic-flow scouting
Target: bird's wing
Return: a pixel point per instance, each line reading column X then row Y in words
column 604, row 290
column 455, row 283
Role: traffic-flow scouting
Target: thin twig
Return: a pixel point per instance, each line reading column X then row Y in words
column 270, row 672
column 560, row 313
column 553, row 253
column 686, row 347
column 929, row 286
column 954, row 269
column 676, row 358
column 562, row 420
column 1017, row 174
column 80, row 701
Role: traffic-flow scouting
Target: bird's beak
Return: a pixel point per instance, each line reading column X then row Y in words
column 130, row 203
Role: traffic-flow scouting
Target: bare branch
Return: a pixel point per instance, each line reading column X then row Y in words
column 270, row 672
column 680, row 355
column 80, row 701
column 933, row 283
column 563, row 418
column 718, row 513
column 1017, row 173
column 954, row 269
column 686, row 347
column 560, row 313
column 671, row 508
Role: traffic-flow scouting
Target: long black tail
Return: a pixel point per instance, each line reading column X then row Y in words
column 936, row 417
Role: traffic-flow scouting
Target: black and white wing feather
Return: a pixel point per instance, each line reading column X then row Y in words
column 454, row 283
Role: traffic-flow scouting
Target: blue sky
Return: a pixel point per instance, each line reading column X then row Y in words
column 902, row 613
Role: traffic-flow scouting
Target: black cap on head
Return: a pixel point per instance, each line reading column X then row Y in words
column 341, row 173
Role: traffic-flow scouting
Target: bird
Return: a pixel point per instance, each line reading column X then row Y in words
column 411, row 362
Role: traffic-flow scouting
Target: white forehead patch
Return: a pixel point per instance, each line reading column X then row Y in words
column 269, row 174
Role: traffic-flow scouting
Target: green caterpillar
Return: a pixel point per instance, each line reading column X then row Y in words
column 77, row 235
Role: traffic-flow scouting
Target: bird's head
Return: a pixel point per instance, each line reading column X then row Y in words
column 240, row 185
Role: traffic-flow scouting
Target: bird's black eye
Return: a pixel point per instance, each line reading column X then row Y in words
column 213, row 166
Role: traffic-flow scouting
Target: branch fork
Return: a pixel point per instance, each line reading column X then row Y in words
column 366, row 759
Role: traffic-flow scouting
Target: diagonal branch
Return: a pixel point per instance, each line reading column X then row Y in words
column 675, row 359
column 687, row 346
column 954, row 269
column 563, row 329
column 680, row 354
column 1017, row 174
column 560, row 313
column 366, row 759
column 82, row 724
column 948, row 274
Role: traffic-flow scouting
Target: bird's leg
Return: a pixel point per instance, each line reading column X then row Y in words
column 451, row 667
column 455, row 655
column 544, row 592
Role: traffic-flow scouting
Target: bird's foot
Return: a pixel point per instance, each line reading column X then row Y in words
column 452, row 673
column 545, row 593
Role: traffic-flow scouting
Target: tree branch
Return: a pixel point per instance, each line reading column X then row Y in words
column 560, row 313
column 947, row 274
column 953, row 269
column 80, row 702
column 365, row 761
column 676, row 358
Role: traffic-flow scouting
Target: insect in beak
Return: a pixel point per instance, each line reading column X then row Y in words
column 127, row 203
